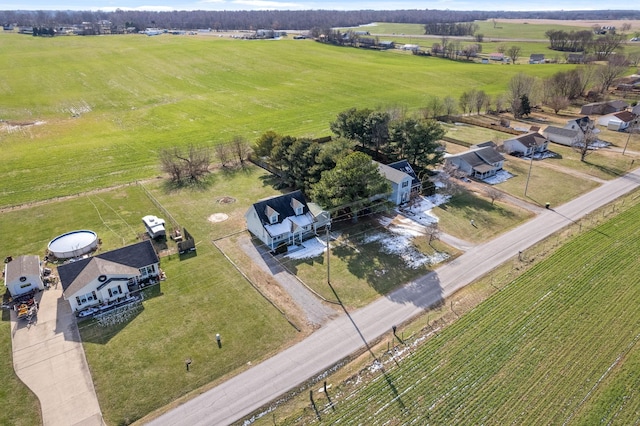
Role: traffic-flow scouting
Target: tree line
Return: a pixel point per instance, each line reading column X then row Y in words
column 283, row 19
column 451, row 28
column 336, row 174
column 600, row 46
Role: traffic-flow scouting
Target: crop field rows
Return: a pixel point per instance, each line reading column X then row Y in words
column 559, row 344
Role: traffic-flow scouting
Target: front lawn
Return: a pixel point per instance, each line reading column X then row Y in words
column 489, row 220
column 545, row 184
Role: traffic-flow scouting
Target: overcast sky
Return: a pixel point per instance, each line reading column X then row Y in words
column 167, row 5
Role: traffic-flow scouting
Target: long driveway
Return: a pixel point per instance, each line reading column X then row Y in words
column 48, row 357
column 248, row 391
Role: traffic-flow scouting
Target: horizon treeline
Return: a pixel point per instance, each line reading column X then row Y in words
column 286, row 19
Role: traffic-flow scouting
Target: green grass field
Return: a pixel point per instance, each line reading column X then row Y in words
column 84, row 113
column 139, row 366
column 559, row 345
column 105, row 106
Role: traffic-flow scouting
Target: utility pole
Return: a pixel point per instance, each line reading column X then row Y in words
column 528, row 176
column 328, row 256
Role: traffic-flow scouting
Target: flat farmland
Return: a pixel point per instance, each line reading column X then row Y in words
column 558, row 345
column 88, row 112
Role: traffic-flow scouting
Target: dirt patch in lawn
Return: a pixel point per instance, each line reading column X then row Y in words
column 218, row 217
column 225, row 200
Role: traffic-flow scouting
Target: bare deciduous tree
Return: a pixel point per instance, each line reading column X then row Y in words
column 494, row 194
column 449, row 105
column 607, row 74
column 240, row 148
column 514, row 53
column 584, row 146
column 223, row 153
column 520, row 85
column 432, row 232
column 190, row 165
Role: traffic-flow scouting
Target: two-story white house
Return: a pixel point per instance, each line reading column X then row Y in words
column 400, row 181
column 107, row 277
column 285, row 220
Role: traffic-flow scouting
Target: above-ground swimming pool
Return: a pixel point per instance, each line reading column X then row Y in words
column 73, row 244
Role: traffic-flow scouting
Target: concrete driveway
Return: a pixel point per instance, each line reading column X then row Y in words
column 48, row 357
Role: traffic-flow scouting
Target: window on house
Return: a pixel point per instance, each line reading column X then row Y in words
column 273, row 218
column 86, row 298
column 405, row 183
column 114, row 291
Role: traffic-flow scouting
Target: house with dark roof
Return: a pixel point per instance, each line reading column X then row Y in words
column 284, row 220
column 23, row 275
column 405, row 167
column 108, row 277
column 527, row 144
column 480, row 163
column 562, row 136
column 400, row 181
column 621, row 121
column 604, row 108
column 536, row 58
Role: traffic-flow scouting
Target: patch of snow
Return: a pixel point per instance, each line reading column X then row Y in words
column 499, row 177
column 313, row 247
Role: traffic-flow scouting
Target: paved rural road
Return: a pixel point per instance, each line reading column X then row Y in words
column 250, row 390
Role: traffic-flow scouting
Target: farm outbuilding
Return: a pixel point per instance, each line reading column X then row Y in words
column 23, row 275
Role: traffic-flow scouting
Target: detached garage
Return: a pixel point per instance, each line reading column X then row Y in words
column 23, row 275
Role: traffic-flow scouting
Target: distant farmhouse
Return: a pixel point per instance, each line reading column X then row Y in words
column 536, row 58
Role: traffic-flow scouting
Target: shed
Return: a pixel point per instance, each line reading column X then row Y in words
column 23, row 275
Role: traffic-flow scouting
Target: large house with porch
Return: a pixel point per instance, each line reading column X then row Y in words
column 285, row 220
column 108, row 277
column 480, row 163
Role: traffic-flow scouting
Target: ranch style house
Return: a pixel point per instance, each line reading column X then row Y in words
column 108, row 277
column 525, row 145
column 480, row 162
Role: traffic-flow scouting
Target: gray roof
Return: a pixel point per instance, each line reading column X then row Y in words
column 559, row 131
column 394, row 175
column 22, row 266
column 480, row 157
column 531, row 139
column 134, row 256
